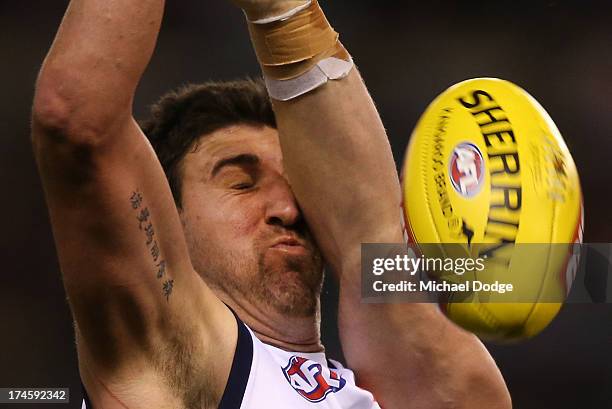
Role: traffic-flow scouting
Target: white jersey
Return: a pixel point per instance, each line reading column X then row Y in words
column 263, row 376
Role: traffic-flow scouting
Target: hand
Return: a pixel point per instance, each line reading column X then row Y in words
column 259, row 9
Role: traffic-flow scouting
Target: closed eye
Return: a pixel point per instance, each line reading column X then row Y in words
column 243, row 186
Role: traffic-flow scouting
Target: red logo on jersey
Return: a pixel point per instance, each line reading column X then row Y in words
column 312, row 380
column 466, row 169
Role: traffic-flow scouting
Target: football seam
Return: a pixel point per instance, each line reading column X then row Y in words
column 424, row 164
column 553, row 230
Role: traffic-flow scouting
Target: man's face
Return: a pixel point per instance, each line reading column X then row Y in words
column 245, row 231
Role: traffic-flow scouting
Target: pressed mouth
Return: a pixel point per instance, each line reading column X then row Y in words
column 288, row 244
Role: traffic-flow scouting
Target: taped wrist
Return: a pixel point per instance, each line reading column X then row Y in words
column 298, row 51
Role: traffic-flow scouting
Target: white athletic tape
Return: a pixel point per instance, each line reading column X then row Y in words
column 283, row 16
column 327, row 69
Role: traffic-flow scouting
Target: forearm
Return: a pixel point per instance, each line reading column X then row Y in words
column 413, row 348
column 334, row 137
column 341, row 168
column 90, row 75
column 335, row 150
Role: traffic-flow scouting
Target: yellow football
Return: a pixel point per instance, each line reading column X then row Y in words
column 487, row 168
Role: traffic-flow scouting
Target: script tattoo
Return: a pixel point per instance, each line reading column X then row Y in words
column 168, row 285
column 155, row 251
column 136, row 200
column 150, row 232
column 161, row 268
column 146, row 226
column 143, row 217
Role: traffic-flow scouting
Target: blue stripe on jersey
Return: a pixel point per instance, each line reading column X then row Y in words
column 241, row 369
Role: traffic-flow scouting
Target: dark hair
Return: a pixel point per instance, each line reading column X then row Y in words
column 181, row 117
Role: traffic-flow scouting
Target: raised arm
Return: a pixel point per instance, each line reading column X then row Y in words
column 138, row 304
column 341, row 169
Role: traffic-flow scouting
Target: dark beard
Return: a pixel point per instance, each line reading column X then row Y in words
column 293, row 289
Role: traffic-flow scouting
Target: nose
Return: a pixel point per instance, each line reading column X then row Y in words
column 281, row 207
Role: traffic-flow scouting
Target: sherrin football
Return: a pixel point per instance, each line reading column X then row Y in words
column 486, row 168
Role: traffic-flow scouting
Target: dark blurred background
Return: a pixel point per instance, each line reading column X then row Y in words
column 408, row 52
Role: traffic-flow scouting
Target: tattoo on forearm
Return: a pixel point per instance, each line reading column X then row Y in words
column 143, row 216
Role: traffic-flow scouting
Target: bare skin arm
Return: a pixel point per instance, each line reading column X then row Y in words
column 407, row 355
column 139, row 306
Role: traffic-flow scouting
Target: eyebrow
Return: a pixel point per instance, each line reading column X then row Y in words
column 238, row 160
